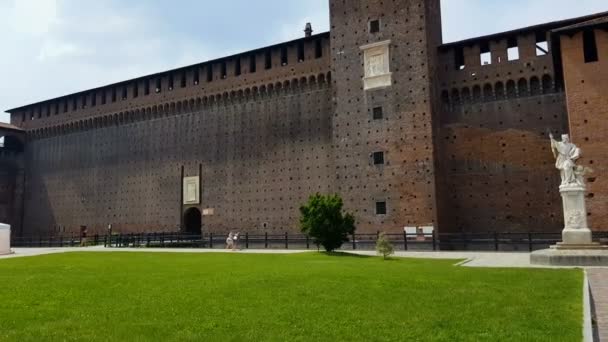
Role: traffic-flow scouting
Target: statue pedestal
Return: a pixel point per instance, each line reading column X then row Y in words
column 5, row 239
column 577, row 231
column 577, row 247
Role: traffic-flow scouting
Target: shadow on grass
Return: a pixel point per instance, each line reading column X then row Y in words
column 347, row 255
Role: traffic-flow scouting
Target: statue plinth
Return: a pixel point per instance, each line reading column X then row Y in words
column 576, row 231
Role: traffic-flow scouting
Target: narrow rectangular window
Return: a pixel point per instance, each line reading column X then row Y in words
column 590, row 46
column 196, row 76
column 159, row 84
column 56, row 108
column 93, row 99
column 23, row 117
column 542, row 46
column 147, row 87
column 459, row 58
column 103, row 97
column 48, row 110
column 378, row 158
column 124, row 93
column 485, row 54
column 301, row 55
column 512, row 49
column 284, row 58
column 318, row 49
column 224, row 70
column 378, row 113
column 252, row 63
column 135, row 90
column 170, row 81
column 74, row 103
column 113, row 94
column 65, row 106
column 374, row 26
column 183, row 82
column 268, row 58
column 209, row 73
column 85, row 99
column 237, row 67
column 380, row 208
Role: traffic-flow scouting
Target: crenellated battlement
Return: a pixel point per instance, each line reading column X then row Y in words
column 186, row 105
column 292, row 62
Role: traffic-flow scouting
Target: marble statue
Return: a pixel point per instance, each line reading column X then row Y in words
column 566, row 154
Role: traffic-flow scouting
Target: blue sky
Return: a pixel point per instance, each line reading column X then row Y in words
column 56, row 47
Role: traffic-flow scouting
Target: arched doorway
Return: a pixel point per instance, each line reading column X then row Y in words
column 193, row 221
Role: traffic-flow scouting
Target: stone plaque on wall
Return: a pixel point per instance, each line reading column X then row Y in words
column 192, row 190
column 377, row 65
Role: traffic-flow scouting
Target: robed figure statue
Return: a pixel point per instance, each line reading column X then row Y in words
column 566, row 154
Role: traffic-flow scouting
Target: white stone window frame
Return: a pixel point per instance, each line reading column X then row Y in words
column 376, row 62
column 192, row 191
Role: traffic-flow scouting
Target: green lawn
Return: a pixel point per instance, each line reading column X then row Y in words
column 306, row 297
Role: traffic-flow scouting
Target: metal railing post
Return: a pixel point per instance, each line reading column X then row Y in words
column 354, row 241
column 266, row 240
column 211, row 240
column 434, row 240
column 246, row 240
column 496, row 245
column 530, row 241
column 286, row 240
column 404, row 240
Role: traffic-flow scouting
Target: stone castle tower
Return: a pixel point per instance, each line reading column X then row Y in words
column 383, row 55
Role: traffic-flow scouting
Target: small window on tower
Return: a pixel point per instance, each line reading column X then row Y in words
column 301, row 55
column 542, row 46
column 284, row 58
column 374, row 26
column 223, row 69
column 590, row 46
column 237, row 67
column 170, row 81
column 209, row 73
column 268, row 58
column 378, row 158
column 196, row 76
column 512, row 49
column 252, row 63
column 378, row 113
column 380, row 208
column 182, row 81
column 485, row 54
column 318, row 49
column 158, row 85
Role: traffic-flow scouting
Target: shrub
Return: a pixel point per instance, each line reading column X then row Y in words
column 323, row 220
column 384, row 246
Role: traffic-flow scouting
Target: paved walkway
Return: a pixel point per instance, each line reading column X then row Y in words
column 598, row 281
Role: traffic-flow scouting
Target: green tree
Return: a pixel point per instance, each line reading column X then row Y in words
column 323, row 220
column 384, row 246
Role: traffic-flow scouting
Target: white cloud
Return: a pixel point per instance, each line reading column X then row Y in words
column 34, row 17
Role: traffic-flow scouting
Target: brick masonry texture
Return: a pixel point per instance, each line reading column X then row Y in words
column 465, row 145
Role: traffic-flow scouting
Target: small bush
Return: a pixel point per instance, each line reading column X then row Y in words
column 384, row 246
column 323, row 220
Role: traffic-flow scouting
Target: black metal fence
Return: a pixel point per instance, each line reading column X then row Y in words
column 403, row 242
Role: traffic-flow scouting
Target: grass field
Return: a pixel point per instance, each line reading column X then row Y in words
column 305, row 297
